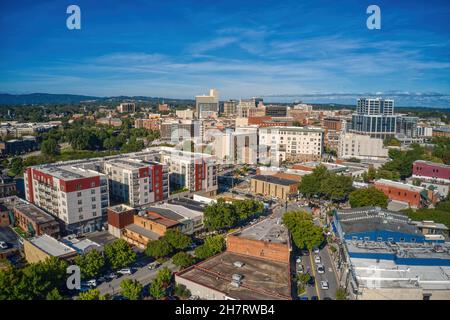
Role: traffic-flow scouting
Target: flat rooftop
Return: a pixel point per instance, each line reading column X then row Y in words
column 387, row 274
column 262, row 279
column 434, row 164
column 400, row 185
column 275, row 180
column 269, row 229
column 34, row 213
column 52, row 246
column 67, row 172
column 188, row 203
column 374, row 218
column 146, row 233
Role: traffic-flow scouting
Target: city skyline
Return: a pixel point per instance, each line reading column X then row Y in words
column 311, row 51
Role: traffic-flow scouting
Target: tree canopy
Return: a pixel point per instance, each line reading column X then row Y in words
column 119, row 254
column 91, row 264
column 368, row 197
column 303, row 230
column 131, row 289
column 212, row 246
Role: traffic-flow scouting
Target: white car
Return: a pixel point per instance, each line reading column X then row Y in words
column 317, row 259
column 320, row 268
column 324, row 285
column 92, row 283
column 154, row 265
column 299, row 260
column 316, row 250
column 3, row 245
column 124, row 271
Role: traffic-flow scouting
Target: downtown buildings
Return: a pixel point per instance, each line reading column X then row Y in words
column 78, row 193
column 207, row 106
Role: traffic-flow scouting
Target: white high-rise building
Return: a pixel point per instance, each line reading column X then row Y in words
column 207, row 106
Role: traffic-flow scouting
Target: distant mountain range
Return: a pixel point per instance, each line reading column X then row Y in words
column 48, row 98
column 427, row 101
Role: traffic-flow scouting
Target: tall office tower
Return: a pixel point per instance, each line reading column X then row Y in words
column 229, row 108
column 375, row 117
column 245, row 106
column 207, row 106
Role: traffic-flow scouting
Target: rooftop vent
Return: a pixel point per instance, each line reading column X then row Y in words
column 238, row 264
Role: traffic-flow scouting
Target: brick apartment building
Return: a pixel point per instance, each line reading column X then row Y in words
column 33, row 220
column 273, row 186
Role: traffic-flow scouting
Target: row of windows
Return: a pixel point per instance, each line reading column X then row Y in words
column 380, row 239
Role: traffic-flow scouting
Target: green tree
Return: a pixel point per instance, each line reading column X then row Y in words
column 54, row 295
column 336, row 187
column 219, row 216
column 165, row 275
column 181, row 291
column 90, row 264
column 183, row 259
column 177, row 239
column 157, row 289
column 368, row 197
column 50, row 148
column 341, row 294
column 119, row 254
column 92, row 294
column 131, row 289
column 304, row 232
column 16, row 167
column 212, row 246
column 158, row 248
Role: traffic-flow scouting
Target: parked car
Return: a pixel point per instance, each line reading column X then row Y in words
column 314, row 298
column 125, row 271
column 103, row 279
column 320, row 268
column 299, row 259
column 194, row 297
column 316, row 250
column 112, row 275
column 154, row 265
column 300, row 269
column 303, row 298
column 317, row 259
column 3, row 245
column 324, row 285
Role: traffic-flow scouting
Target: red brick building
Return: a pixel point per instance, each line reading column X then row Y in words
column 431, row 171
column 332, row 124
column 415, row 196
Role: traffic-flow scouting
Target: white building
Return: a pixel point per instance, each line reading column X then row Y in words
column 137, row 182
column 78, row 197
column 278, row 144
column 185, row 114
column 207, row 106
column 359, row 146
column 239, row 147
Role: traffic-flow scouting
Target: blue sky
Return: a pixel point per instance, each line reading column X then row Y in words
column 317, row 51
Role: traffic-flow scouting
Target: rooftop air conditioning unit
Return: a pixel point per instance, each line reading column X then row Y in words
column 236, row 284
column 238, row 264
column 237, row 277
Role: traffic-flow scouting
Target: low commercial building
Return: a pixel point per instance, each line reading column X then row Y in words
column 16, row 147
column 268, row 239
column 273, row 186
column 414, row 196
column 258, row 278
column 153, row 122
column 385, row 255
column 7, row 186
column 33, row 220
column 127, row 107
column 40, row 248
column 430, row 171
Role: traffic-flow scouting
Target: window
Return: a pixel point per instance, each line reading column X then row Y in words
column 81, row 217
column 93, row 198
column 94, row 206
column 402, row 239
column 80, row 202
column 92, row 191
column 78, row 194
column 80, row 209
column 379, row 239
column 426, row 296
column 354, row 238
column 366, row 238
column 92, row 184
column 413, row 239
column 391, row 239
column 94, row 214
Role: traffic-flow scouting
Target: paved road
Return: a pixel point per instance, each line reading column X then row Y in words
column 143, row 275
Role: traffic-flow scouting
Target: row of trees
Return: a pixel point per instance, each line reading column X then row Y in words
column 223, row 215
column 305, row 234
column 368, row 197
column 117, row 254
column 324, row 184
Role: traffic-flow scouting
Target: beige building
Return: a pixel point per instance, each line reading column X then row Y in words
column 273, row 186
column 185, row 114
column 207, row 106
column 40, row 248
column 360, row 146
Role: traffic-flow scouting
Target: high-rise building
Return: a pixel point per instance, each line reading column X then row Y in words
column 229, row 108
column 375, row 117
column 127, row 107
column 207, row 106
column 240, row 146
column 360, row 146
column 176, row 131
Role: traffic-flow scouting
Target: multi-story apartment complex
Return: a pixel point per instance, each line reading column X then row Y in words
column 137, row 182
column 185, row 114
column 77, row 196
column 207, row 106
column 280, row 144
column 15, row 147
column 152, row 122
column 375, row 117
column 360, row 146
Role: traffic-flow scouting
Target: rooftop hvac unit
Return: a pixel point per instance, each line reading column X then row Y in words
column 236, row 284
column 238, row 264
column 141, row 213
column 237, row 277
